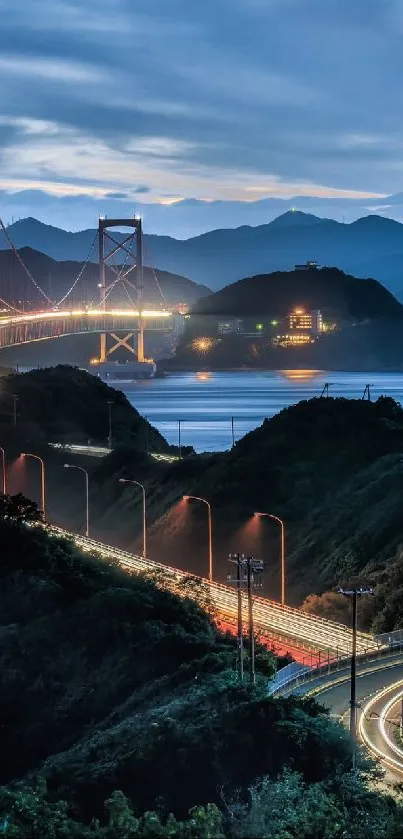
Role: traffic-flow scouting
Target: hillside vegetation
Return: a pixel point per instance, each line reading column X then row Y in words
column 339, row 296
column 56, row 278
column 66, row 403
column 331, row 468
column 121, row 699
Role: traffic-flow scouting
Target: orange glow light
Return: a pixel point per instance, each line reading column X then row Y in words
column 202, row 345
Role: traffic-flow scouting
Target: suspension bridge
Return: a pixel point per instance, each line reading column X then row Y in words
column 121, row 314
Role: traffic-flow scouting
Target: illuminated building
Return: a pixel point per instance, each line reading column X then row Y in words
column 305, row 321
column 302, row 327
column 293, row 339
column 230, row 327
column 310, row 265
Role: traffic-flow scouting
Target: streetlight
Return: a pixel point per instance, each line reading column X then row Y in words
column 3, row 459
column 210, row 533
column 138, row 484
column 355, row 593
column 36, row 457
column 282, row 549
column 81, row 469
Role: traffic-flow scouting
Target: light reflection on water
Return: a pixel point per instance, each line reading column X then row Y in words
column 205, row 401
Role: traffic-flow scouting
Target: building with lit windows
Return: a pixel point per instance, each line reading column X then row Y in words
column 303, row 320
column 302, row 326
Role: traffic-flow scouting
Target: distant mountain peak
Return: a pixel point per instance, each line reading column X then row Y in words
column 296, row 218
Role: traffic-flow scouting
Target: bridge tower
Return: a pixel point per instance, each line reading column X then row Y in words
column 131, row 248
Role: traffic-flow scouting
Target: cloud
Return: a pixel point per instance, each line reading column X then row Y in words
column 225, row 99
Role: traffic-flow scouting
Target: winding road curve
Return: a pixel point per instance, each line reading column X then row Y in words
column 379, row 697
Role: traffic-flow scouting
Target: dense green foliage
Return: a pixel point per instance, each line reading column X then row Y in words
column 122, row 715
column 333, row 470
column 68, row 404
column 338, row 295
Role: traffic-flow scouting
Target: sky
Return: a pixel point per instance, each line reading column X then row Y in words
column 108, row 106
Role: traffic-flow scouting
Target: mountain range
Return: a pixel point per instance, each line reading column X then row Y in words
column 56, row 278
column 372, row 246
column 190, row 216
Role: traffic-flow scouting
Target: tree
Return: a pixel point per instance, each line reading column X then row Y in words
column 19, row 508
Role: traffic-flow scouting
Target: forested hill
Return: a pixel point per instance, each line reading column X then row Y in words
column 63, row 403
column 121, row 700
column 56, row 278
column 338, row 295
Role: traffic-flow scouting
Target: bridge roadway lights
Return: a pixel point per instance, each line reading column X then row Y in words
column 40, row 326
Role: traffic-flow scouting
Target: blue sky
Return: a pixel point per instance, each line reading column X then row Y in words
column 115, row 103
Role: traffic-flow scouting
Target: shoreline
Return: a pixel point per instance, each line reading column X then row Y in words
column 317, row 370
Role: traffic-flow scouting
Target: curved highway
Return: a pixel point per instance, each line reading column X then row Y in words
column 379, row 728
column 379, row 697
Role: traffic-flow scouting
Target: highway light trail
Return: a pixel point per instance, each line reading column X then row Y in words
column 281, row 622
column 373, row 727
column 56, row 314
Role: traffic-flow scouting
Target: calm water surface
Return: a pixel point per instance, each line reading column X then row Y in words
column 205, row 402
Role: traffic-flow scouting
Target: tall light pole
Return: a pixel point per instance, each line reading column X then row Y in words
column 138, row 484
column 87, row 494
column 282, row 550
column 15, row 400
column 3, row 463
column 36, row 457
column 210, row 531
column 355, row 593
column 110, row 403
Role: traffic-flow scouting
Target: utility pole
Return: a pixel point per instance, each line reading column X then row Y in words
column 354, row 593
column 146, row 430
column 247, row 566
column 179, row 439
column 15, row 400
column 232, row 430
column 250, row 625
column 240, row 632
column 110, row 403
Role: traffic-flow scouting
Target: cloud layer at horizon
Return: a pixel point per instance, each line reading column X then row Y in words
column 152, row 101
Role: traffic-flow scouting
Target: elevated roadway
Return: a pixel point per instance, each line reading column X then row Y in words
column 281, row 624
column 29, row 327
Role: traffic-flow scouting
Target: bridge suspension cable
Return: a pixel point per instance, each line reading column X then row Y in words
column 147, row 251
column 22, row 263
column 80, row 274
